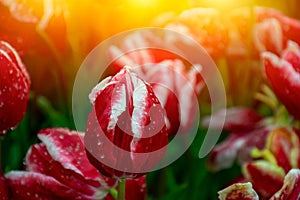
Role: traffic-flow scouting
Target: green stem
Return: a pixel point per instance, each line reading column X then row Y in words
column 121, row 189
column 113, row 192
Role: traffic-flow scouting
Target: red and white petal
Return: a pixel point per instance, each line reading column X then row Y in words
column 237, row 119
column 284, row 145
column 39, row 160
column 237, row 146
column 290, row 26
column 66, row 147
column 31, row 185
column 238, row 191
column 225, row 153
column 285, row 81
column 268, row 36
column 266, row 178
column 135, row 50
column 15, row 58
column 291, row 187
column 292, row 55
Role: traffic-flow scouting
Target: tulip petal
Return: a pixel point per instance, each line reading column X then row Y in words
column 66, row 147
column 290, row 26
column 39, row 160
column 238, row 191
column 31, row 185
column 291, row 187
column 285, row 81
column 237, row 146
column 14, row 88
column 237, row 119
column 284, row 145
column 265, row 177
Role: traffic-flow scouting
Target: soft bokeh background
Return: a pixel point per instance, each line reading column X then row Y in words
column 54, row 53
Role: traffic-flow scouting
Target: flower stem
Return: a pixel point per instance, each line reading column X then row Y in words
column 121, row 189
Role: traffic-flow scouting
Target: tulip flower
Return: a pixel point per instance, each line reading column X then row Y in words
column 269, row 30
column 283, row 74
column 273, row 172
column 176, row 87
column 126, row 114
column 14, row 88
column 58, row 168
column 246, row 132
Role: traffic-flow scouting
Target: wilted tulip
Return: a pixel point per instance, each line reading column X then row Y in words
column 284, row 76
column 58, row 168
column 14, row 88
column 238, row 191
column 125, row 127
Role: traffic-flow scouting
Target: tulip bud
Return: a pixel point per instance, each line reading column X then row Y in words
column 126, row 131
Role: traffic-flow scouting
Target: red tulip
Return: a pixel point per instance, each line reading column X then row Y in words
column 264, row 29
column 3, row 188
column 126, row 128
column 284, row 76
column 238, row 191
column 58, row 168
column 175, row 87
column 247, row 133
column 14, row 88
column 290, row 27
